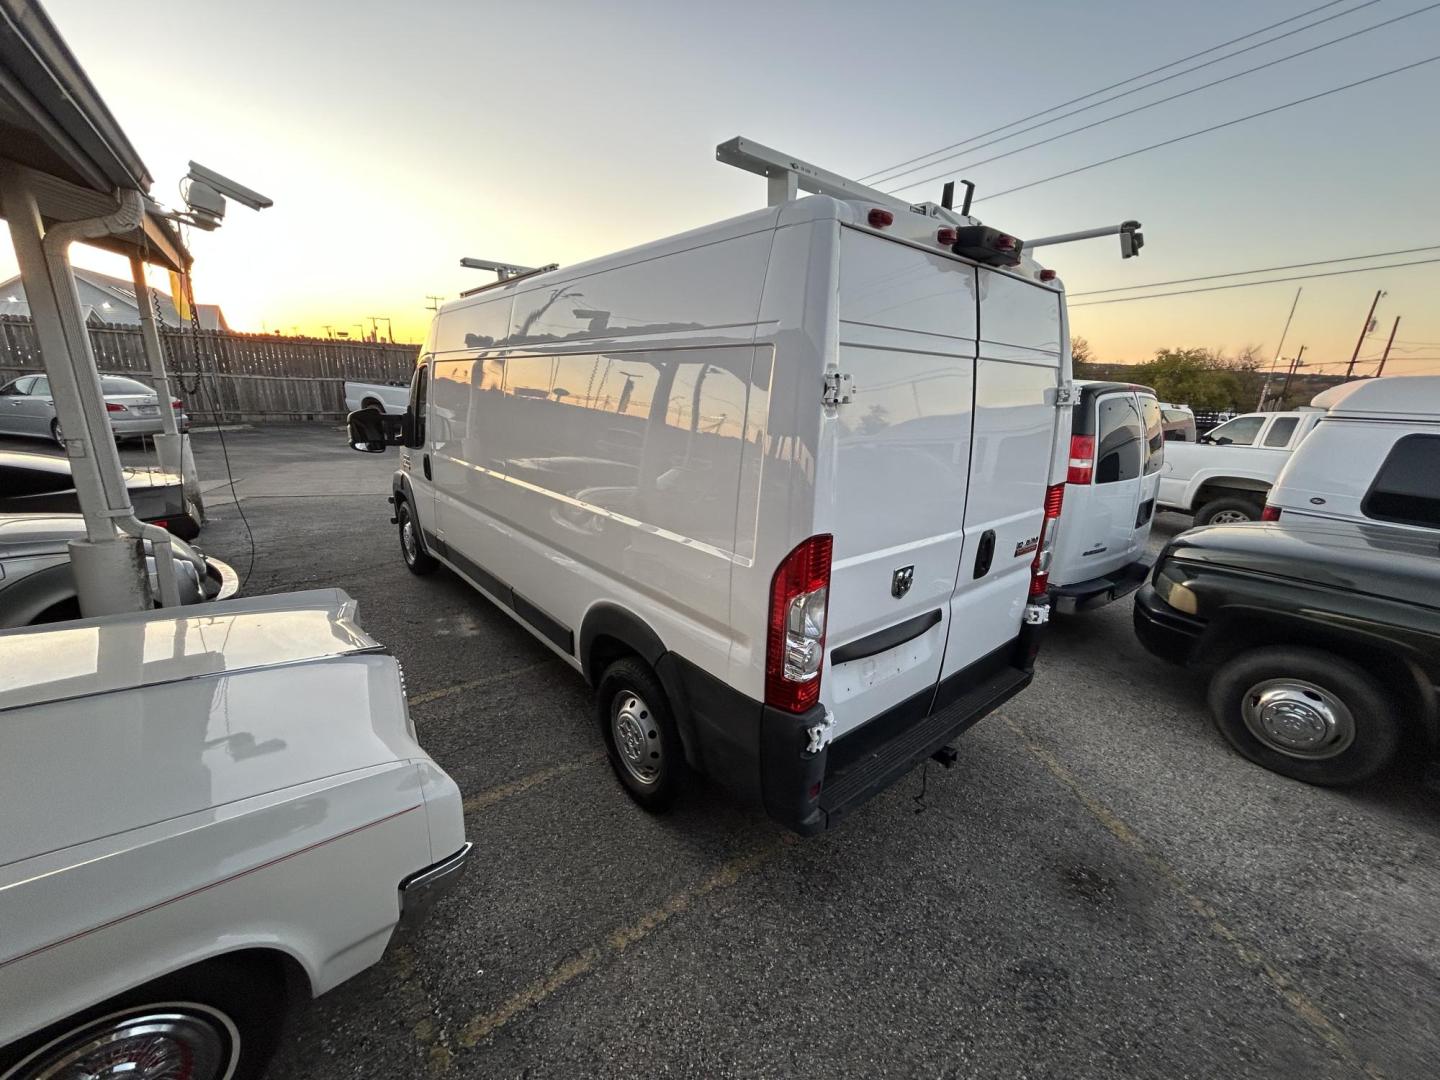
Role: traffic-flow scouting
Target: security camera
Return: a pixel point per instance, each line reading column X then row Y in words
column 211, row 182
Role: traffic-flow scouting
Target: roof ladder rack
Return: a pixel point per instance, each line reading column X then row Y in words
column 503, row 272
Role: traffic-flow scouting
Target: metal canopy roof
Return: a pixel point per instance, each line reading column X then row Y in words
column 54, row 125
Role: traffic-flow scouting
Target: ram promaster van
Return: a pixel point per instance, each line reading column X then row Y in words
column 778, row 487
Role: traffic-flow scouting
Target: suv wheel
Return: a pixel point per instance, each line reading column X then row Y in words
column 1229, row 510
column 641, row 739
column 412, row 545
column 1306, row 714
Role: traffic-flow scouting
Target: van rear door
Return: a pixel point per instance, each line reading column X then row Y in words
column 1017, row 375
column 898, row 458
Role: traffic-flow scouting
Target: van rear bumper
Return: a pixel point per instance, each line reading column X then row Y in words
column 1098, row 591
column 760, row 753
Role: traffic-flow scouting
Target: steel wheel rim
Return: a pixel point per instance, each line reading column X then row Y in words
column 158, row 1043
column 636, row 733
column 58, row 433
column 408, row 543
column 1297, row 718
column 1231, row 517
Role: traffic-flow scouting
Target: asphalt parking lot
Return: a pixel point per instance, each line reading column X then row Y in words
column 1100, row 887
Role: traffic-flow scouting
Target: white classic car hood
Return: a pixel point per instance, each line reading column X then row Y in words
column 114, row 723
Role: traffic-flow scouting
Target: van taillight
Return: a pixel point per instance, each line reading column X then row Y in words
column 1040, row 568
column 1082, row 459
column 1270, row 513
column 795, row 648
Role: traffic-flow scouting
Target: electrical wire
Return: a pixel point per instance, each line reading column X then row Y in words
column 1215, row 127
column 1138, row 108
column 1257, row 270
column 1249, row 284
column 1092, row 93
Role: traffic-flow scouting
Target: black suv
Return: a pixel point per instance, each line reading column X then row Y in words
column 1323, row 637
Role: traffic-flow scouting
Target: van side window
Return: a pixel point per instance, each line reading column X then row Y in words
column 1238, row 432
column 1280, row 431
column 1154, row 434
column 1407, row 487
column 1120, row 440
column 419, row 394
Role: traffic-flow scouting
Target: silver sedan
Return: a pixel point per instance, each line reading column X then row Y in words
column 27, row 408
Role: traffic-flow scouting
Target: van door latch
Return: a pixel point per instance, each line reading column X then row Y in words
column 1067, row 396
column 820, row 734
column 839, row 388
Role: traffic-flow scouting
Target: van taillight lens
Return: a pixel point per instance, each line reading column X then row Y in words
column 1040, row 568
column 946, row 236
column 177, row 404
column 795, row 648
column 112, row 406
column 1082, row 459
column 880, row 219
column 1270, row 513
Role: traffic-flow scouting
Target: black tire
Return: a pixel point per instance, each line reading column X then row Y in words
column 1375, row 728
column 412, row 547
column 653, row 741
column 235, row 1011
column 1229, row 505
column 371, row 403
column 56, row 434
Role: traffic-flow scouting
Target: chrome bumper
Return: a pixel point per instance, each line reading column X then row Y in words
column 422, row 888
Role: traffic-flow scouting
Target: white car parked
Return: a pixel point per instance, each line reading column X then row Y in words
column 209, row 813
column 1117, row 448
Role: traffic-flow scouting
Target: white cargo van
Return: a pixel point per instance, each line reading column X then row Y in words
column 1117, row 447
column 778, row 486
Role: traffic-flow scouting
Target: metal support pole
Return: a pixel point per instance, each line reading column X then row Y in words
column 1381, row 369
column 1350, row 370
column 109, row 570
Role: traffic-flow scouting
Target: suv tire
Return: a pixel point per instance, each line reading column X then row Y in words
column 641, row 738
column 1306, row 714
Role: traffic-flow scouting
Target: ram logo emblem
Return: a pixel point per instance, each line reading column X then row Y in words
column 901, row 580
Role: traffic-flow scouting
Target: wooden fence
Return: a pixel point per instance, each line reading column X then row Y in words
column 231, row 377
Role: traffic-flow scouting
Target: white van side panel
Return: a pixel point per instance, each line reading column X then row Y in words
column 583, row 468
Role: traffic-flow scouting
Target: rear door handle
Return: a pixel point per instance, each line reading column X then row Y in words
column 425, row 464
column 985, row 554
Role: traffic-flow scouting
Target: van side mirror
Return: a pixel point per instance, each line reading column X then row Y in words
column 371, row 431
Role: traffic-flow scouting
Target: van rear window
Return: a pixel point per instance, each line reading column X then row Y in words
column 1407, row 488
column 1120, row 446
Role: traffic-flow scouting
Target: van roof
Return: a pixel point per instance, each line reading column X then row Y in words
column 1392, row 395
column 1092, row 387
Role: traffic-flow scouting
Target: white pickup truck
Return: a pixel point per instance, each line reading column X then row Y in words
column 391, row 397
column 1224, row 477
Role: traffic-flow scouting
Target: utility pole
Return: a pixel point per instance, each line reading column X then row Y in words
column 1369, row 318
column 361, row 327
column 329, row 329
column 1381, row 369
column 1295, row 365
column 389, row 328
column 1265, row 390
column 434, row 304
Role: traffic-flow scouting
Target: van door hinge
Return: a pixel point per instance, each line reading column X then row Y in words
column 1067, row 396
column 839, row 388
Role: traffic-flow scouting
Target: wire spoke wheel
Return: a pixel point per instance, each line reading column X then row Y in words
column 163, row 1042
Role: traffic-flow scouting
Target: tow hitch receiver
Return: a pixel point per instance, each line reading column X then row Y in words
column 946, row 756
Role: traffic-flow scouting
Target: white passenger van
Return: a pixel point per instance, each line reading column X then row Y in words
column 777, row 486
column 1117, row 448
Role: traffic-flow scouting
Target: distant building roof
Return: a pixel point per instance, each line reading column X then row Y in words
column 121, row 293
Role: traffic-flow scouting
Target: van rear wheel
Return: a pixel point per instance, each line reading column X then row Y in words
column 412, row 546
column 641, row 738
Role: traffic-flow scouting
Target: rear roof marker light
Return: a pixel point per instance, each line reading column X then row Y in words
column 880, row 219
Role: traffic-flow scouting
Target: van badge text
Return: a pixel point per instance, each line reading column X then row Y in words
column 901, row 580
column 1025, row 547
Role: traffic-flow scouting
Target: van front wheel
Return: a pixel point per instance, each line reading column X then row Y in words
column 641, row 739
column 412, row 548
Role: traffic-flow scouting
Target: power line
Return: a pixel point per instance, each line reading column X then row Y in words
column 1250, row 284
column 1103, row 89
column 1259, row 270
column 1140, row 108
column 1215, row 127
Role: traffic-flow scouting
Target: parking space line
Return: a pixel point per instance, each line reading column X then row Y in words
column 476, row 684
column 617, row 941
column 1298, row 1001
column 500, row 793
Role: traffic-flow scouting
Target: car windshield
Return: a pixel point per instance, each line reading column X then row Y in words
column 116, row 384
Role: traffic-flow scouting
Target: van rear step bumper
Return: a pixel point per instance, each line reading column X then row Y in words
column 892, row 744
column 1084, row 595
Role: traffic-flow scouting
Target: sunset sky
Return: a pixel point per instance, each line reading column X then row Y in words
column 396, row 138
